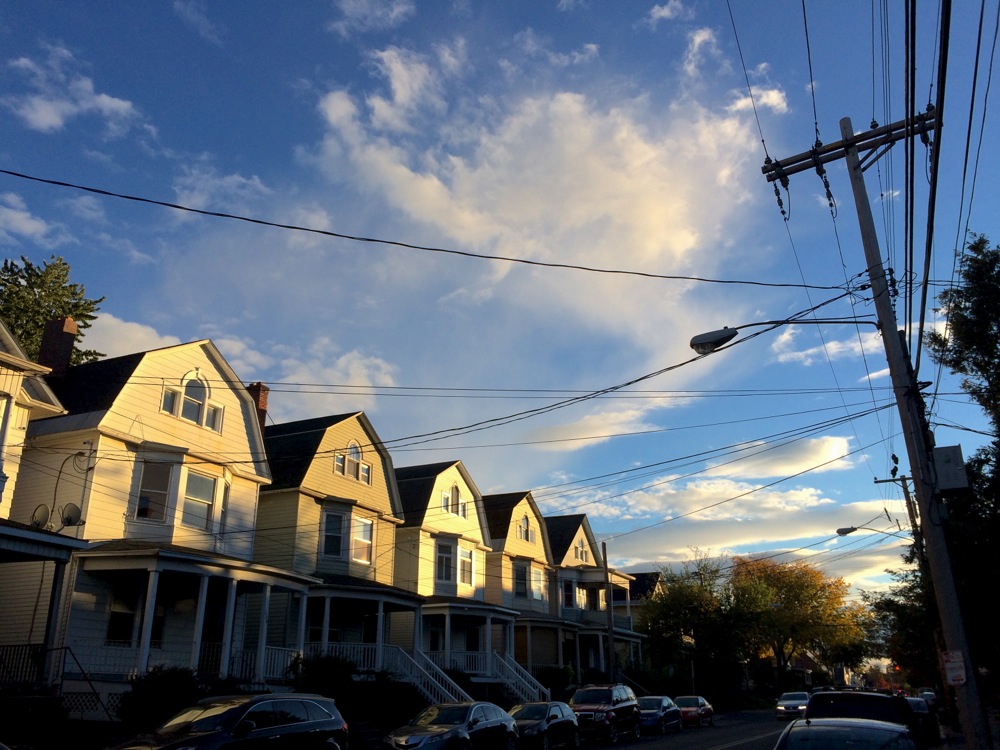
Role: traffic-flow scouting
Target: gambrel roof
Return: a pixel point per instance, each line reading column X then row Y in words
column 499, row 510
column 292, row 446
column 416, row 484
column 562, row 531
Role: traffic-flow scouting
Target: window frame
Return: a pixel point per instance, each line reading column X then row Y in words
column 466, row 566
column 521, row 580
column 175, row 401
column 325, row 536
column 140, row 505
column 360, row 543
column 350, row 464
column 190, row 500
column 444, row 562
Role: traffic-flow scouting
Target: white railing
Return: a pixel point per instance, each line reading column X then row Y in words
column 470, row 662
column 364, row 656
column 97, row 656
column 425, row 675
column 518, row 680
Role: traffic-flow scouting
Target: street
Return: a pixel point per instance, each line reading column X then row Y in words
column 746, row 730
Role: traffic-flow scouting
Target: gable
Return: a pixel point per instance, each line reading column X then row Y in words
column 442, row 498
column 516, row 526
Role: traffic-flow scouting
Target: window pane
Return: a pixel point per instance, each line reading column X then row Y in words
column 366, row 473
column 198, row 497
column 338, row 463
column 333, row 535
column 521, row 581
column 445, row 562
column 213, row 418
column 194, row 397
column 465, row 566
column 152, row 503
column 363, row 541
column 169, row 401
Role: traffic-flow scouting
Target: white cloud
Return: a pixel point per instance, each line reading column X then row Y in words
column 764, row 98
column 203, row 187
column 414, row 88
column 535, row 46
column 670, row 11
column 115, row 337
column 87, row 207
column 593, row 429
column 819, row 455
column 702, row 45
column 784, row 347
column 59, row 94
column 17, row 223
column 372, row 15
column 195, row 14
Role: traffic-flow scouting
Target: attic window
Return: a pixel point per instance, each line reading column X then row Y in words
column 580, row 551
column 191, row 403
column 524, row 530
column 349, row 463
column 453, row 502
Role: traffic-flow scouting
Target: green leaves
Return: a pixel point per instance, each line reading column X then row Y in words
column 32, row 295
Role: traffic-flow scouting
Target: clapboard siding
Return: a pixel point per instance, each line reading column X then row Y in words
column 23, row 585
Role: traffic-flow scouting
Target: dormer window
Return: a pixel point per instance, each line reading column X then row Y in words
column 350, row 463
column 191, row 402
column 524, row 530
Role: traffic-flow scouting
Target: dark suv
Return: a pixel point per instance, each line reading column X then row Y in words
column 609, row 711
column 251, row 721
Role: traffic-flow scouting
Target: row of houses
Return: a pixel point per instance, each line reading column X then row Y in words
column 150, row 516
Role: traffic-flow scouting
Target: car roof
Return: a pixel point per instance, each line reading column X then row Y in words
column 847, row 722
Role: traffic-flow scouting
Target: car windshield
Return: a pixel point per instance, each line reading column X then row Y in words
column 442, row 715
column 687, row 701
column 649, row 703
column 591, row 695
column 207, row 718
column 794, row 697
column 856, row 738
column 531, row 711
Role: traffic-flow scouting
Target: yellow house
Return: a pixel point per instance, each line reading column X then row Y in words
column 582, row 578
column 157, row 462
column 441, row 554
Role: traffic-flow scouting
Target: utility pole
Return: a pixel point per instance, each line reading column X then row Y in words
column 609, row 607
column 908, row 400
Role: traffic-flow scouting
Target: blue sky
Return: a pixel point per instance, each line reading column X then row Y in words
column 616, row 136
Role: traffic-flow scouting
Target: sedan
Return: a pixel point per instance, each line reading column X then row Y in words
column 476, row 725
column 659, row 713
column 791, row 705
column 695, row 710
column 544, row 725
column 855, row 733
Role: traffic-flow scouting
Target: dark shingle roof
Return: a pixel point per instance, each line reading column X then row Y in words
column 644, row 584
column 561, row 530
column 95, row 385
column 292, row 446
column 415, row 486
column 498, row 511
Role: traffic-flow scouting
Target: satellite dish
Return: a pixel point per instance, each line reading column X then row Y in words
column 40, row 517
column 71, row 514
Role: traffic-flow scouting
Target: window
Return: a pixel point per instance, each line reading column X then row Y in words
column 581, row 552
column 153, row 489
column 349, row 464
column 191, row 404
column 199, row 496
column 537, row 584
column 465, row 566
column 445, row 562
column 363, row 530
column 521, row 581
column 333, row 535
column 121, row 623
column 569, row 594
column 453, row 502
column 524, row 530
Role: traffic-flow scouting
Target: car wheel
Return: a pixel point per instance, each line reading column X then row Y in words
column 637, row 730
column 711, row 720
column 663, row 726
column 680, row 726
column 512, row 742
column 546, row 743
column 574, row 741
column 613, row 735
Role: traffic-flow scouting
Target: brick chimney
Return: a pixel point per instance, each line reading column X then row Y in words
column 258, row 392
column 56, row 349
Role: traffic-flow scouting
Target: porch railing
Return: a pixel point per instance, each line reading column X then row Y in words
column 21, row 665
column 470, row 662
column 518, row 680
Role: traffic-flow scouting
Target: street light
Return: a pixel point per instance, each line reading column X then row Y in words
column 706, row 343
column 851, row 529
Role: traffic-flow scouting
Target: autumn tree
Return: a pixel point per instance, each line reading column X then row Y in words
column 32, row 295
column 788, row 608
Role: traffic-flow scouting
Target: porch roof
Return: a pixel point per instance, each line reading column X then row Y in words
column 459, row 605
column 356, row 588
column 129, row 554
column 20, row 542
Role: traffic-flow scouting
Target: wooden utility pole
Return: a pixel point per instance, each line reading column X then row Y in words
column 909, row 402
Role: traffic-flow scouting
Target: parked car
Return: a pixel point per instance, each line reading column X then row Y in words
column 608, row 711
column 475, row 725
column 926, row 727
column 544, row 725
column 250, row 721
column 858, row 704
column 791, row 705
column 658, row 714
column 860, row 734
column 695, row 710
column 930, row 696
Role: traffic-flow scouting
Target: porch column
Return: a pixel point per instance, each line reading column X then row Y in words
column 52, row 621
column 559, row 645
column 199, row 623
column 509, row 631
column 324, row 641
column 488, row 645
column 259, row 671
column 148, row 613
column 300, row 644
column 579, row 664
column 379, row 637
column 600, row 651
column 227, row 630
column 418, row 629
column 447, row 638
column 527, row 643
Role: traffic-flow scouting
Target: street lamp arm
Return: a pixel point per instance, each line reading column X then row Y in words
column 851, row 529
column 706, row 343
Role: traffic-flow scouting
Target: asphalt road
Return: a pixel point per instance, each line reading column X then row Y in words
column 745, row 730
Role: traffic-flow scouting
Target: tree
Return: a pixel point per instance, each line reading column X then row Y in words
column 31, row 296
column 970, row 347
column 790, row 608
